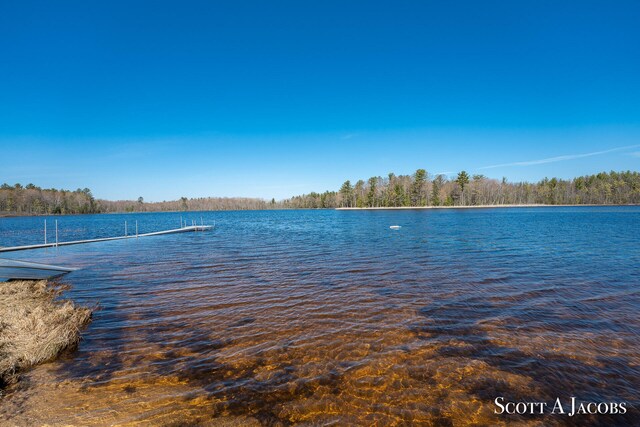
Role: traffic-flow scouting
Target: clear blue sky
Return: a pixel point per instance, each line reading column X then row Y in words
column 272, row 99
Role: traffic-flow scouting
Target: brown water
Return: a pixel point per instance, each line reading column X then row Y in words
column 330, row 318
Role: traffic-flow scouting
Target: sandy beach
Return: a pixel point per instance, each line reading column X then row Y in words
column 468, row 207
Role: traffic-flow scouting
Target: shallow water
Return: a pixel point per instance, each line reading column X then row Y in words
column 331, row 318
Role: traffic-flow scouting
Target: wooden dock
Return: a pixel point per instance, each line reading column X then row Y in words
column 106, row 239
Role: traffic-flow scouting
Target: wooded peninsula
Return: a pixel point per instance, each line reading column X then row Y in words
column 420, row 189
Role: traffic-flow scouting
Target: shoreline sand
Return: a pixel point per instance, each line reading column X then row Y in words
column 473, row 207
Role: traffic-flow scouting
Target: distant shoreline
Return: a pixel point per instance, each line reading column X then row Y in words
column 14, row 215
column 472, row 207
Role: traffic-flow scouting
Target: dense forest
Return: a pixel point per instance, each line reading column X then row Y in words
column 419, row 189
column 422, row 189
column 33, row 200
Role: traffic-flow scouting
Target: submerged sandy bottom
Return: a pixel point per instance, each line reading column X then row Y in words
column 355, row 386
column 353, row 367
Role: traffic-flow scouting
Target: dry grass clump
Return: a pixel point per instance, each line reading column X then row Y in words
column 35, row 326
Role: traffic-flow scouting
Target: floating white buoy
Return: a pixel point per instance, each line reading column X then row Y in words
column 395, row 227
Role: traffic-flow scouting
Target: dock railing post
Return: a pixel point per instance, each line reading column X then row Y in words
column 180, row 221
column 45, row 231
column 136, row 229
column 56, row 233
column 125, row 229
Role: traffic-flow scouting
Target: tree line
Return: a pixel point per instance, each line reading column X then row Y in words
column 32, row 200
column 423, row 189
column 416, row 190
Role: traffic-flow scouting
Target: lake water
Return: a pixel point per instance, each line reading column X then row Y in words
column 332, row 318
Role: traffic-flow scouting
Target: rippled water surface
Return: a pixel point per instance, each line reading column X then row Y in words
column 331, row 318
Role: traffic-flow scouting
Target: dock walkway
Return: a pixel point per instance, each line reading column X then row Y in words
column 106, row 239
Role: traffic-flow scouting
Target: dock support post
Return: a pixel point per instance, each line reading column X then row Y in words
column 45, row 231
column 125, row 229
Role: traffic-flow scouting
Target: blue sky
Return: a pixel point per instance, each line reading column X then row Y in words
column 272, row 99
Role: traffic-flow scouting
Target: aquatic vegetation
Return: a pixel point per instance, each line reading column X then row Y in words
column 35, row 326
